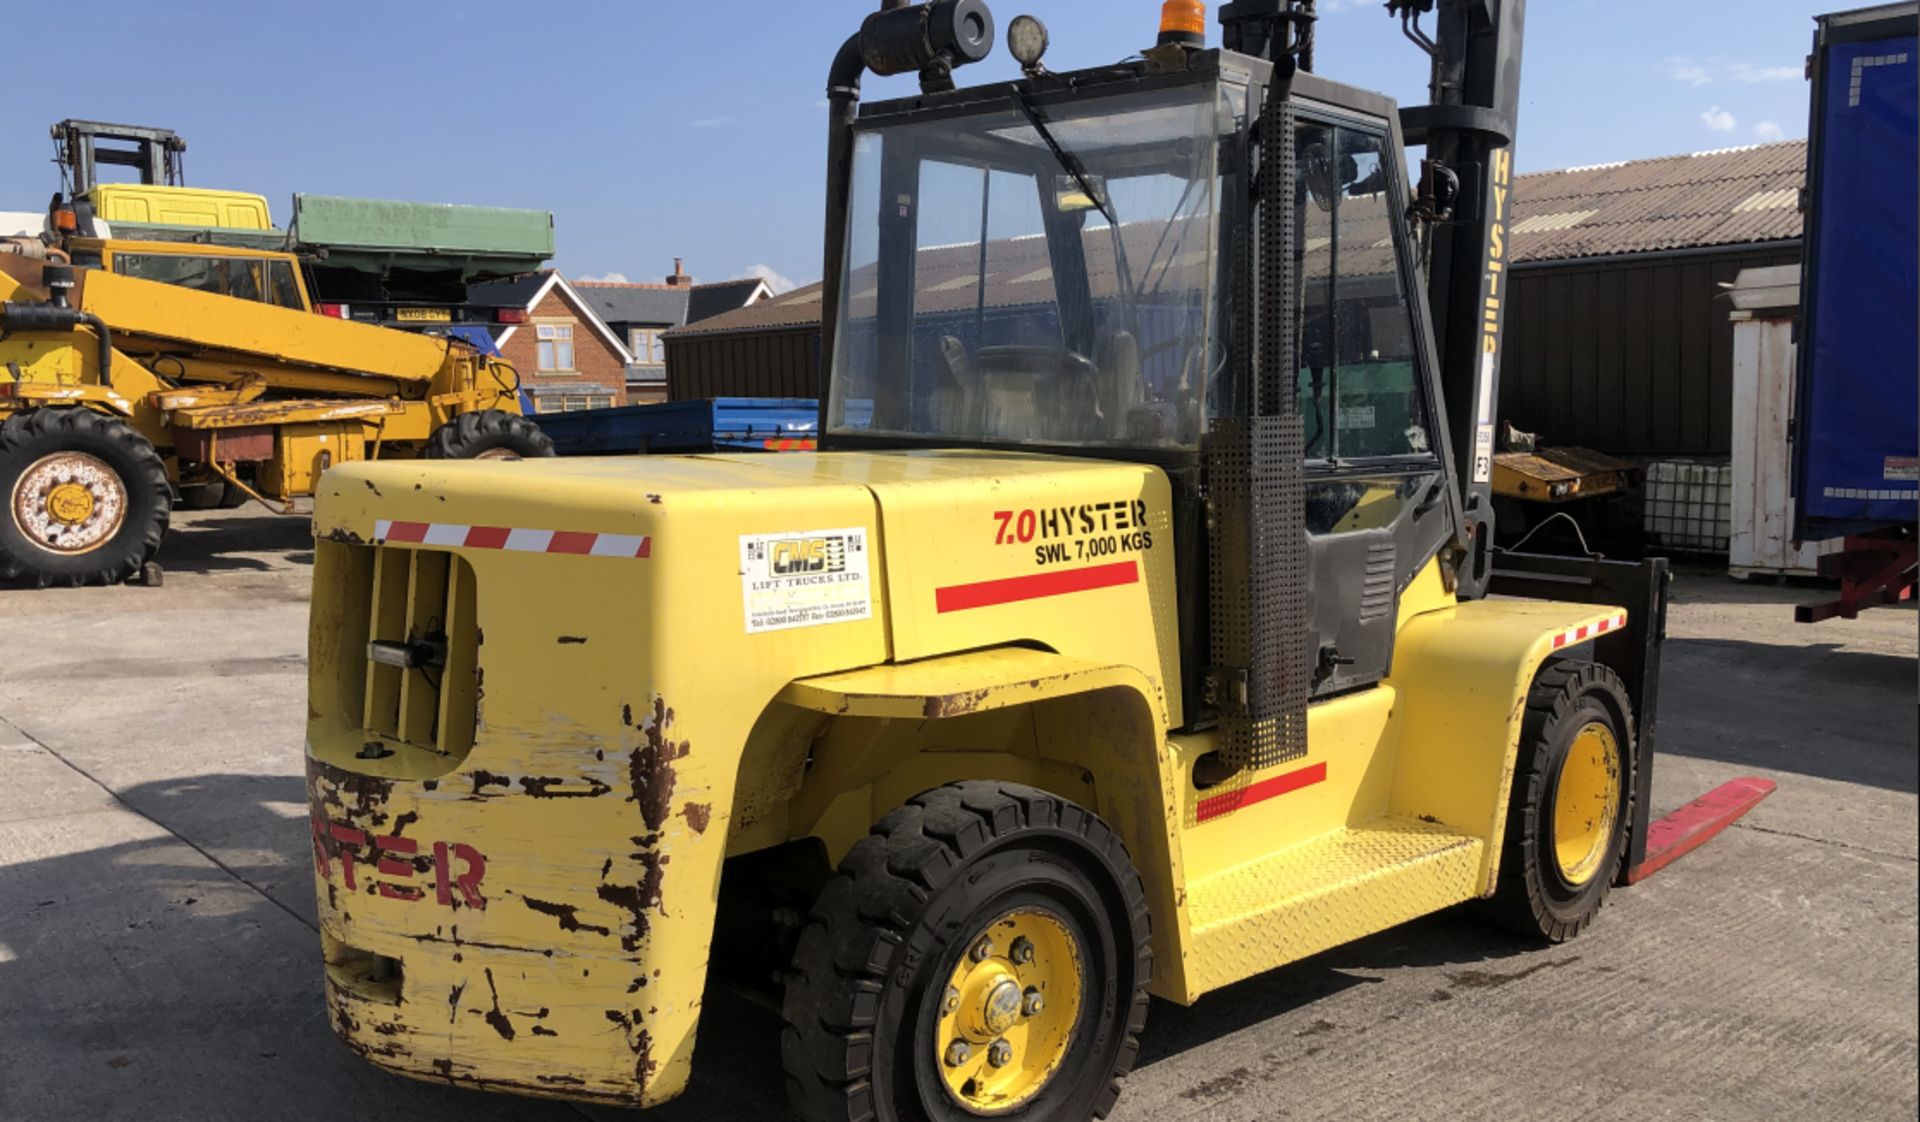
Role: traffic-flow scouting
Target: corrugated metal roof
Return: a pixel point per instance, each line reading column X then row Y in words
column 1725, row 197
column 1731, row 196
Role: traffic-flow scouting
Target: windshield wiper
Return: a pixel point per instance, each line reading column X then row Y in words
column 1123, row 274
column 1067, row 159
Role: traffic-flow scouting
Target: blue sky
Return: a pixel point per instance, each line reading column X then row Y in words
column 655, row 129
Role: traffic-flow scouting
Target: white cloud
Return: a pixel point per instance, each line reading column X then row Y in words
column 710, row 122
column 1719, row 120
column 1748, row 72
column 1701, row 72
column 605, row 278
column 1684, row 70
column 774, row 280
column 1768, row 132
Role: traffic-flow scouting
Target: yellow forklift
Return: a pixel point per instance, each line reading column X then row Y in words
column 1128, row 635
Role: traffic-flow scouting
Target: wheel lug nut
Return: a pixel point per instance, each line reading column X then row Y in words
column 951, row 1001
column 983, row 950
column 1000, row 1053
column 1033, row 1004
column 1022, row 951
column 958, row 1053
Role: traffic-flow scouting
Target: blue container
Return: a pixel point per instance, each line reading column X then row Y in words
column 721, row 424
column 1855, row 423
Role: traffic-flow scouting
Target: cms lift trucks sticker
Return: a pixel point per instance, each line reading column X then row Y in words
column 804, row 579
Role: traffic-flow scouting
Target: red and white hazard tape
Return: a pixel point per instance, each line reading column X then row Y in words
column 1589, row 631
column 574, row 542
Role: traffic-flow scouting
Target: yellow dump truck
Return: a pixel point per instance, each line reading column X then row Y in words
column 171, row 365
column 1067, row 672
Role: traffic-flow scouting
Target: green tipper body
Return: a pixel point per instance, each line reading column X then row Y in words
column 377, row 234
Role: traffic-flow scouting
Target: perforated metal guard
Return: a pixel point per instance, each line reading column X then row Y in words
column 1258, row 555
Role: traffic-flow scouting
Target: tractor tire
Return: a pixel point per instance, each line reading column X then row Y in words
column 975, row 908
column 86, row 498
column 1572, row 803
column 489, row 435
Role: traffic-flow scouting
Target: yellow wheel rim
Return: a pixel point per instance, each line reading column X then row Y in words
column 1007, row 1015
column 1586, row 802
column 70, row 503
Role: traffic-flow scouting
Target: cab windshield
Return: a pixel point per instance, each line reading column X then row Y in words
column 1037, row 275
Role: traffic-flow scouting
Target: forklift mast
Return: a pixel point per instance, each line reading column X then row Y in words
column 156, row 154
column 1465, row 194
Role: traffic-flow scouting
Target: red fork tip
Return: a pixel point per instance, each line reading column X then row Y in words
column 1696, row 823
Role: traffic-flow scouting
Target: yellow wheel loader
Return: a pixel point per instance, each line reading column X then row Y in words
column 180, row 366
column 1128, row 635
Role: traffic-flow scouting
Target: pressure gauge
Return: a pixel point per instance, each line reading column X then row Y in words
column 1027, row 39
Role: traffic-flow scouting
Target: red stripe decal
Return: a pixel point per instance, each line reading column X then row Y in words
column 1216, row 805
column 987, row 593
column 407, row 532
column 1559, row 640
column 487, row 537
column 645, row 550
column 571, row 541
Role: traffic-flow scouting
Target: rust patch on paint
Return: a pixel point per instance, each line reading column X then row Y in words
column 573, row 640
column 638, row 900
column 568, row 915
column 644, row 1065
column 495, row 1017
column 697, row 816
column 482, row 778
column 553, row 787
column 343, row 536
column 954, row 704
column 650, row 771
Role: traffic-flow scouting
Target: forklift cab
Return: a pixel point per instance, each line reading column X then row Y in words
column 1069, row 263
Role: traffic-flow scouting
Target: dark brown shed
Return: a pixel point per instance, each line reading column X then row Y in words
column 1616, row 337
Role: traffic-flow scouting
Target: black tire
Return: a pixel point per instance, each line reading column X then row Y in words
column 871, row 967
column 136, row 478
column 488, row 434
column 217, row 495
column 1534, row 896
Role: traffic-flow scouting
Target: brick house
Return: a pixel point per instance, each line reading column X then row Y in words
column 639, row 314
column 567, row 356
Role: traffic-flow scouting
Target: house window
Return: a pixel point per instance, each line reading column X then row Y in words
column 556, row 347
column 573, row 402
column 649, row 349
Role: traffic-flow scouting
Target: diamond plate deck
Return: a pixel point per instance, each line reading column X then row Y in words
column 1325, row 892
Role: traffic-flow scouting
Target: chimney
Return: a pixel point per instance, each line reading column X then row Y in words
column 679, row 279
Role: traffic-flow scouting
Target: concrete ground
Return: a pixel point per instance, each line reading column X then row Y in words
column 158, row 958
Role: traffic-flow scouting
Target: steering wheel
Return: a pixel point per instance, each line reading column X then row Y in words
column 1061, row 362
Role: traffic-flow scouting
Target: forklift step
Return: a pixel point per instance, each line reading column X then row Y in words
column 1324, row 892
